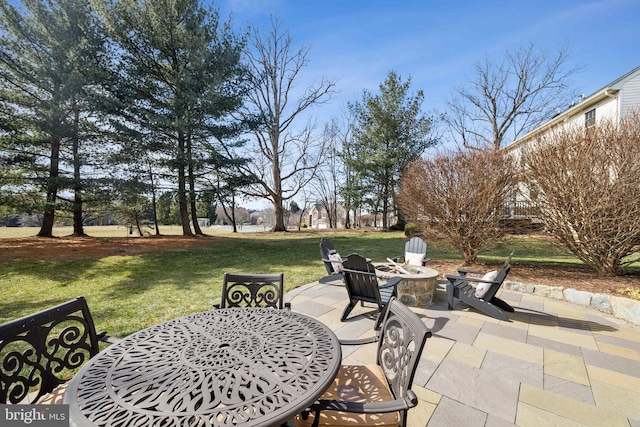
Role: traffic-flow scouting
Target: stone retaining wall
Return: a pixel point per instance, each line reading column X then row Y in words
column 620, row 307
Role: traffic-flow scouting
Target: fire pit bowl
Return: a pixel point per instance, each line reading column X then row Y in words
column 418, row 285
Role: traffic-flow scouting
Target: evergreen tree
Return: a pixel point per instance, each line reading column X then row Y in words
column 178, row 81
column 50, row 51
column 389, row 132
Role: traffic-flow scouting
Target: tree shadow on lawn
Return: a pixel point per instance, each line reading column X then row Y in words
column 199, row 266
column 185, row 273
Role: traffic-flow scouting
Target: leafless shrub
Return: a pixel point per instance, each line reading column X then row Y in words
column 458, row 195
column 586, row 184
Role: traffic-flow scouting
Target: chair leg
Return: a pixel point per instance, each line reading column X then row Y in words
column 450, row 291
column 347, row 309
column 380, row 317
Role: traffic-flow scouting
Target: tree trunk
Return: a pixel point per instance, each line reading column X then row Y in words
column 470, row 255
column 49, row 216
column 233, row 212
column 192, row 190
column 182, row 201
column 52, row 190
column 136, row 218
column 278, row 212
column 182, row 187
column 78, row 228
column 154, row 202
column 385, row 208
column 155, row 214
column 194, row 218
column 347, row 215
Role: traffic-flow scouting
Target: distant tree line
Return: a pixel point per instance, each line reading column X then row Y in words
column 129, row 105
column 122, row 103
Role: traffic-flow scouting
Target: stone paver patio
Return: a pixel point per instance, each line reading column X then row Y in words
column 553, row 363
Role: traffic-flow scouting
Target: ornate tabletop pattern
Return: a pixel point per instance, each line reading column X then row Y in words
column 235, row 366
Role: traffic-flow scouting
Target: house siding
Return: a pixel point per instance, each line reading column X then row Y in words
column 630, row 95
column 614, row 101
column 607, row 109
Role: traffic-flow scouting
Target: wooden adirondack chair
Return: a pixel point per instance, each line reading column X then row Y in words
column 415, row 252
column 360, row 279
column 464, row 287
column 330, row 257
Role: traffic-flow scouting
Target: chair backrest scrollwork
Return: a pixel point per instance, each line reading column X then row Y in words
column 41, row 351
column 400, row 345
column 253, row 290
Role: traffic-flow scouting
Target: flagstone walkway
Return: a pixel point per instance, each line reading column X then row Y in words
column 553, row 363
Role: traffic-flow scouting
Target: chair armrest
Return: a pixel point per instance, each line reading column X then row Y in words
column 359, row 341
column 425, row 260
column 391, row 282
column 453, row 278
column 396, row 258
column 408, row 402
column 464, row 271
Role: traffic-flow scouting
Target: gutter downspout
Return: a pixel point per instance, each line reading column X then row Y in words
column 610, row 94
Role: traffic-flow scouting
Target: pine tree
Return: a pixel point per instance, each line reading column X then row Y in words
column 49, row 51
column 179, row 79
column 389, row 132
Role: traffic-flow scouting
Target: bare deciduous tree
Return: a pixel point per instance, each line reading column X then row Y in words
column 586, row 184
column 459, row 196
column 508, row 99
column 326, row 184
column 285, row 158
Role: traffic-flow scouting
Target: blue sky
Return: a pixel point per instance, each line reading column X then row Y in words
column 438, row 42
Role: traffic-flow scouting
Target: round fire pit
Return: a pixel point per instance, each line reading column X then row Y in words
column 418, row 285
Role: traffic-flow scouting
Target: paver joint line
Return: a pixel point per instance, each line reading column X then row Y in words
column 547, row 343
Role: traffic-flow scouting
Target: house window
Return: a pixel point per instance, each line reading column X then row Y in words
column 590, row 118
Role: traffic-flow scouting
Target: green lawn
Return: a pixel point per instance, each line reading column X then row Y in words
column 130, row 292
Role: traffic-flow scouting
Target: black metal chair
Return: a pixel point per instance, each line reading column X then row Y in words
column 360, row 279
column 376, row 394
column 326, row 251
column 462, row 287
column 40, row 352
column 415, row 252
column 253, row 290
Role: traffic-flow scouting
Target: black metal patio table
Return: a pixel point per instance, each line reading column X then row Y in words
column 238, row 366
